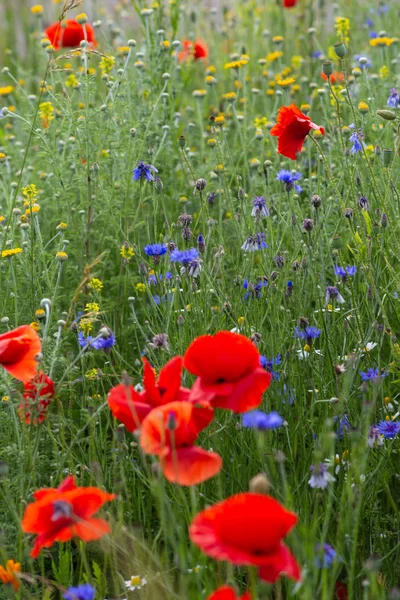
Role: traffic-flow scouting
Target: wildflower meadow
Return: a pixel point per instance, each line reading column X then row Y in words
column 199, row 305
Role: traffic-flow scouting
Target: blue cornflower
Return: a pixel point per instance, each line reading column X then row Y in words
column 254, row 291
column 369, row 22
column 152, row 279
column 356, row 140
column 343, row 423
column 184, row 256
column 332, row 293
column 394, row 99
column 317, row 54
column 257, row 419
column 389, row 429
column 270, row 363
column 259, row 207
column 99, row 343
column 345, row 271
column 144, row 171
column 320, row 476
column 155, row 250
column 254, row 242
column 81, row 592
column 309, row 333
column 373, row 35
column 289, row 179
column 372, row 375
column 326, row 556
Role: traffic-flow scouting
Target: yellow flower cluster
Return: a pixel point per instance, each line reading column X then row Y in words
column 95, row 284
column 342, row 26
column 10, row 252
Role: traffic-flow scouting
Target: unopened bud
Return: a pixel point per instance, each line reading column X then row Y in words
column 259, row 484
column 388, row 115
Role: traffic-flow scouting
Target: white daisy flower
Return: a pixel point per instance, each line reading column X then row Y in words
column 135, row 583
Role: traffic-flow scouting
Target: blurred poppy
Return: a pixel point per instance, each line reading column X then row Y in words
column 131, row 407
column 289, row 3
column 57, row 515
column 247, row 529
column 169, row 432
column 291, row 129
column 228, row 369
column 335, row 77
column 38, row 394
column 18, row 351
column 7, row 575
column 69, row 34
column 226, row 592
column 341, row 591
column 196, row 50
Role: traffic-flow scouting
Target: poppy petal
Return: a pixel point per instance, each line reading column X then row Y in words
column 128, row 406
column 169, row 379
column 92, row 529
column 149, row 382
column 18, row 351
column 190, row 466
column 284, row 563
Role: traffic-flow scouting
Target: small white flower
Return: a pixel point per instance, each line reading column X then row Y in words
column 370, row 346
column 135, row 583
column 195, row 569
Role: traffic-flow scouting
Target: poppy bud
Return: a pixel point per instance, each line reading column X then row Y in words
column 387, row 156
column 340, row 49
column 327, row 68
column 384, row 220
column 259, row 484
column 388, row 115
column 182, row 141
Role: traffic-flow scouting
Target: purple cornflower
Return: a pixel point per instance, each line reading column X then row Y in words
column 98, row 343
column 254, row 242
column 374, row 437
column 270, row 363
column 363, row 203
column 184, row 256
column 345, row 271
column 393, row 100
column 193, row 268
column 256, row 419
column 155, row 250
column 317, row 54
column 325, row 556
column 332, row 293
column 152, row 280
column 289, row 179
column 259, row 207
column 309, row 333
column 356, row 140
column 144, row 171
column 389, row 429
column 343, row 423
column 254, row 291
column 84, row 591
column 320, row 476
column 372, row 375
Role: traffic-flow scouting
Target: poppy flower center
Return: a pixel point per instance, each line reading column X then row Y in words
column 61, row 510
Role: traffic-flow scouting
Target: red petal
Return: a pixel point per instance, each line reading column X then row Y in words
column 128, row 406
column 169, row 379
column 284, row 563
column 18, row 349
column 93, row 529
column 149, row 382
column 190, row 466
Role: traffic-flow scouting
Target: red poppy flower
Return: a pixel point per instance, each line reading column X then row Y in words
column 18, row 351
column 38, row 394
column 170, row 431
column 335, row 77
column 69, row 34
column 131, row 407
column 228, row 369
column 59, row 514
column 247, row 529
column 289, row 3
column 341, row 591
column 226, row 592
column 291, row 128
column 196, row 50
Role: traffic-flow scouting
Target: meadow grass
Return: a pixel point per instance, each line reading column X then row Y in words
column 75, row 123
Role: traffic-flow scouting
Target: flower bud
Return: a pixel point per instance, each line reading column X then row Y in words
column 259, row 484
column 388, row 115
column 387, row 156
column 340, row 49
column 327, row 68
column 182, row 141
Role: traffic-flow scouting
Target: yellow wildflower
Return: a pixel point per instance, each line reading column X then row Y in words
column 91, row 374
column 211, row 70
column 297, row 61
column 37, row 9
column 5, row 398
column 86, row 325
column 7, row 575
column 61, row 226
column 92, row 307
column 240, row 321
column 40, row 313
column 165, row 44
column 236, row 64
column 35, row 326
column 260, row 122
column 30, row 191
column 381, row 42
column 6, row 90
column 230, row 96
column 126, row 251
column 106, row 64
column 71, row 81
column 140, row 287
column 383, row 72
column 363, row 107
column 284, row 83
column 95, row 284
column 277, row 39
column 220, row 120
column 123, row 50
column 10, row 252
column 342, row 26
column 61, row 256
column 46, row 113
column 273, row 56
